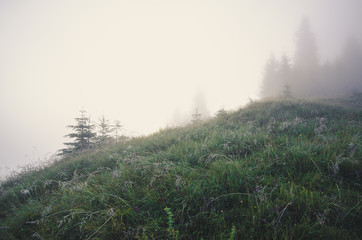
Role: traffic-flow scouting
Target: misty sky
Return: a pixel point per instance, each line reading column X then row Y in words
column 143, row 62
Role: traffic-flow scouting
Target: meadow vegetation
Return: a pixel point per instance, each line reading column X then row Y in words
column 274, row 169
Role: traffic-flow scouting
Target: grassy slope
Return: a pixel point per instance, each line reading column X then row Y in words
column 272, row 170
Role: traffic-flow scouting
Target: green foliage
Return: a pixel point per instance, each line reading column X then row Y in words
column 171, row 230
column 272, row 170
column 232, row 234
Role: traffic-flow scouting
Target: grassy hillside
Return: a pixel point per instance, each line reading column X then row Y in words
column 271, row 170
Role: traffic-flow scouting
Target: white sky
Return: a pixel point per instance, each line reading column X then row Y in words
column 142, row 61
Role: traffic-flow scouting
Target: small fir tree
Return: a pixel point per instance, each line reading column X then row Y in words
column 82, row 134
column 104, row 131
column 270, row 86
column 117, row 130
column 285, row 76
column 196, row 116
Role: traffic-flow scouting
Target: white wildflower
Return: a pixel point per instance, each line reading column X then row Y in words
column 25, row 192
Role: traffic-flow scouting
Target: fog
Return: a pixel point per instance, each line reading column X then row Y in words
column 148, row 64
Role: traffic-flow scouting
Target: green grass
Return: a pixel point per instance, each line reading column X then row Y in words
column 272, row 170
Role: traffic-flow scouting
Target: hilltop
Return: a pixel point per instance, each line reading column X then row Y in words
column 271, row 170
